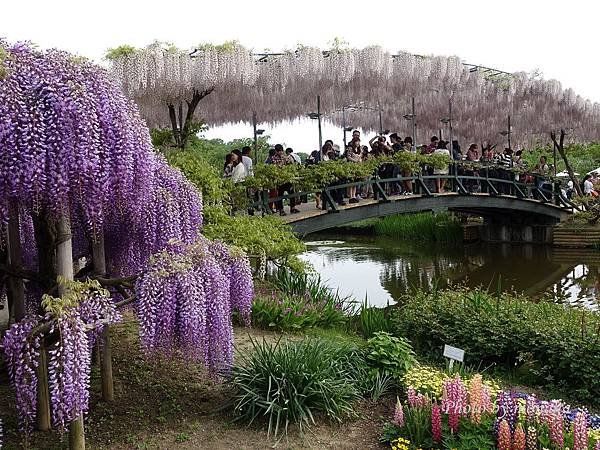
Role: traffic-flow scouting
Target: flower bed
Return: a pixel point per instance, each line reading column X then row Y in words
column 467, row 416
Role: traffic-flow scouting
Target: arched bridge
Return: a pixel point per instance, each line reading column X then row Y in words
column 497, row 199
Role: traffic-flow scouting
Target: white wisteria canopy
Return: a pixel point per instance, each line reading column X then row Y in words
column 284, row 86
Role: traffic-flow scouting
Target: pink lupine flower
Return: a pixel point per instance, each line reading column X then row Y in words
column 486, row 400
column 399, row 414
column 454, row 401
column 556, row 422
column 412, row 396
column 580, row 431
column 436, row 423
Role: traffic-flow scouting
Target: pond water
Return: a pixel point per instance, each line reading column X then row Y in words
column 383, row 269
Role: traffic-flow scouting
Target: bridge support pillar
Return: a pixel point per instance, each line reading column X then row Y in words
column 527, row 233
column 501, row 231
column 504, row 233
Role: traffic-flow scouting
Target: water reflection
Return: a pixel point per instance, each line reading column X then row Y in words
column 384, row 268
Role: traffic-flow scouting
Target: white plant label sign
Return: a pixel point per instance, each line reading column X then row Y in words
column 454, row 353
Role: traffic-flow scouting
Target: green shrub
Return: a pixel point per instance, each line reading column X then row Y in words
column 390, row 355
column 287, row 383
column 560, row 344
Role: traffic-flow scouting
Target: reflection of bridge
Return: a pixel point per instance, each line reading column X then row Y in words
column 502, row 201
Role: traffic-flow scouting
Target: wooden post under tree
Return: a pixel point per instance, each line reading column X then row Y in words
column 64, row 268
column 15, row 291
column 182, row 127
column 103, row 343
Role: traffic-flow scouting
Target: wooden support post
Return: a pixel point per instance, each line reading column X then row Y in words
column 64, row 268
column 43, row 392
column 77, row 434
column 103, row 343
column 15, row 288
column 108, row 393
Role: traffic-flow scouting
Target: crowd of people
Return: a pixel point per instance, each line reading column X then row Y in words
column 499, row 164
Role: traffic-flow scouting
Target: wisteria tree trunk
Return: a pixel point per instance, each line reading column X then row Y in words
column 15, row 289
column 561, row 150
column 45, row 239
column 181, row 127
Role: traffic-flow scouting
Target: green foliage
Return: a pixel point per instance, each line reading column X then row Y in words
column 439, row 227
column 471, row 435
column 390, row 355
column 317, row 176
column 309, row 286
column 294, row 313
column 3, row 56
column 289, row 382
column 582, row 157
column 557, row 344
column 162, row 137
column 227, row 46
column 215, row 189
column 120, row 51
column 255, row 235
column 371, row 319
column 416, row 429
column 300, row 301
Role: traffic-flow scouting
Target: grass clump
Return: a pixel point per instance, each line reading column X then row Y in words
column 371, row 320
column 440, row 227
column 299, row 301
column 289, row 382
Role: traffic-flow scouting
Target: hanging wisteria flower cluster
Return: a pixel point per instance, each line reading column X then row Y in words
column 76, row 319
column 186, row 296
column 22, row 356
column 284, row 86
column 72, row 144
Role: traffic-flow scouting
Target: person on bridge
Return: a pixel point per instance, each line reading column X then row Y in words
column 280, row 159
column 290, row 152
column 588, row 186
column 440, row 183
column 228, row 166
column 239, row 170
column 247, row 160
column 353, row 155
column 432, row 147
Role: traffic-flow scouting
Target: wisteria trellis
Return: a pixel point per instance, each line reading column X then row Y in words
column 72, row 145
column 284, row 87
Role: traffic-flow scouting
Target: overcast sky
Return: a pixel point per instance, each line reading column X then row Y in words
column 560, row 38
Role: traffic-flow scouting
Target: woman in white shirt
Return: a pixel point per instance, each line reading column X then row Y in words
column 440, row 183
column 588, row 186
column 239, row 170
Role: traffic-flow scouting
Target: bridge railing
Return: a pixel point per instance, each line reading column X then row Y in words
column 480, row 180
